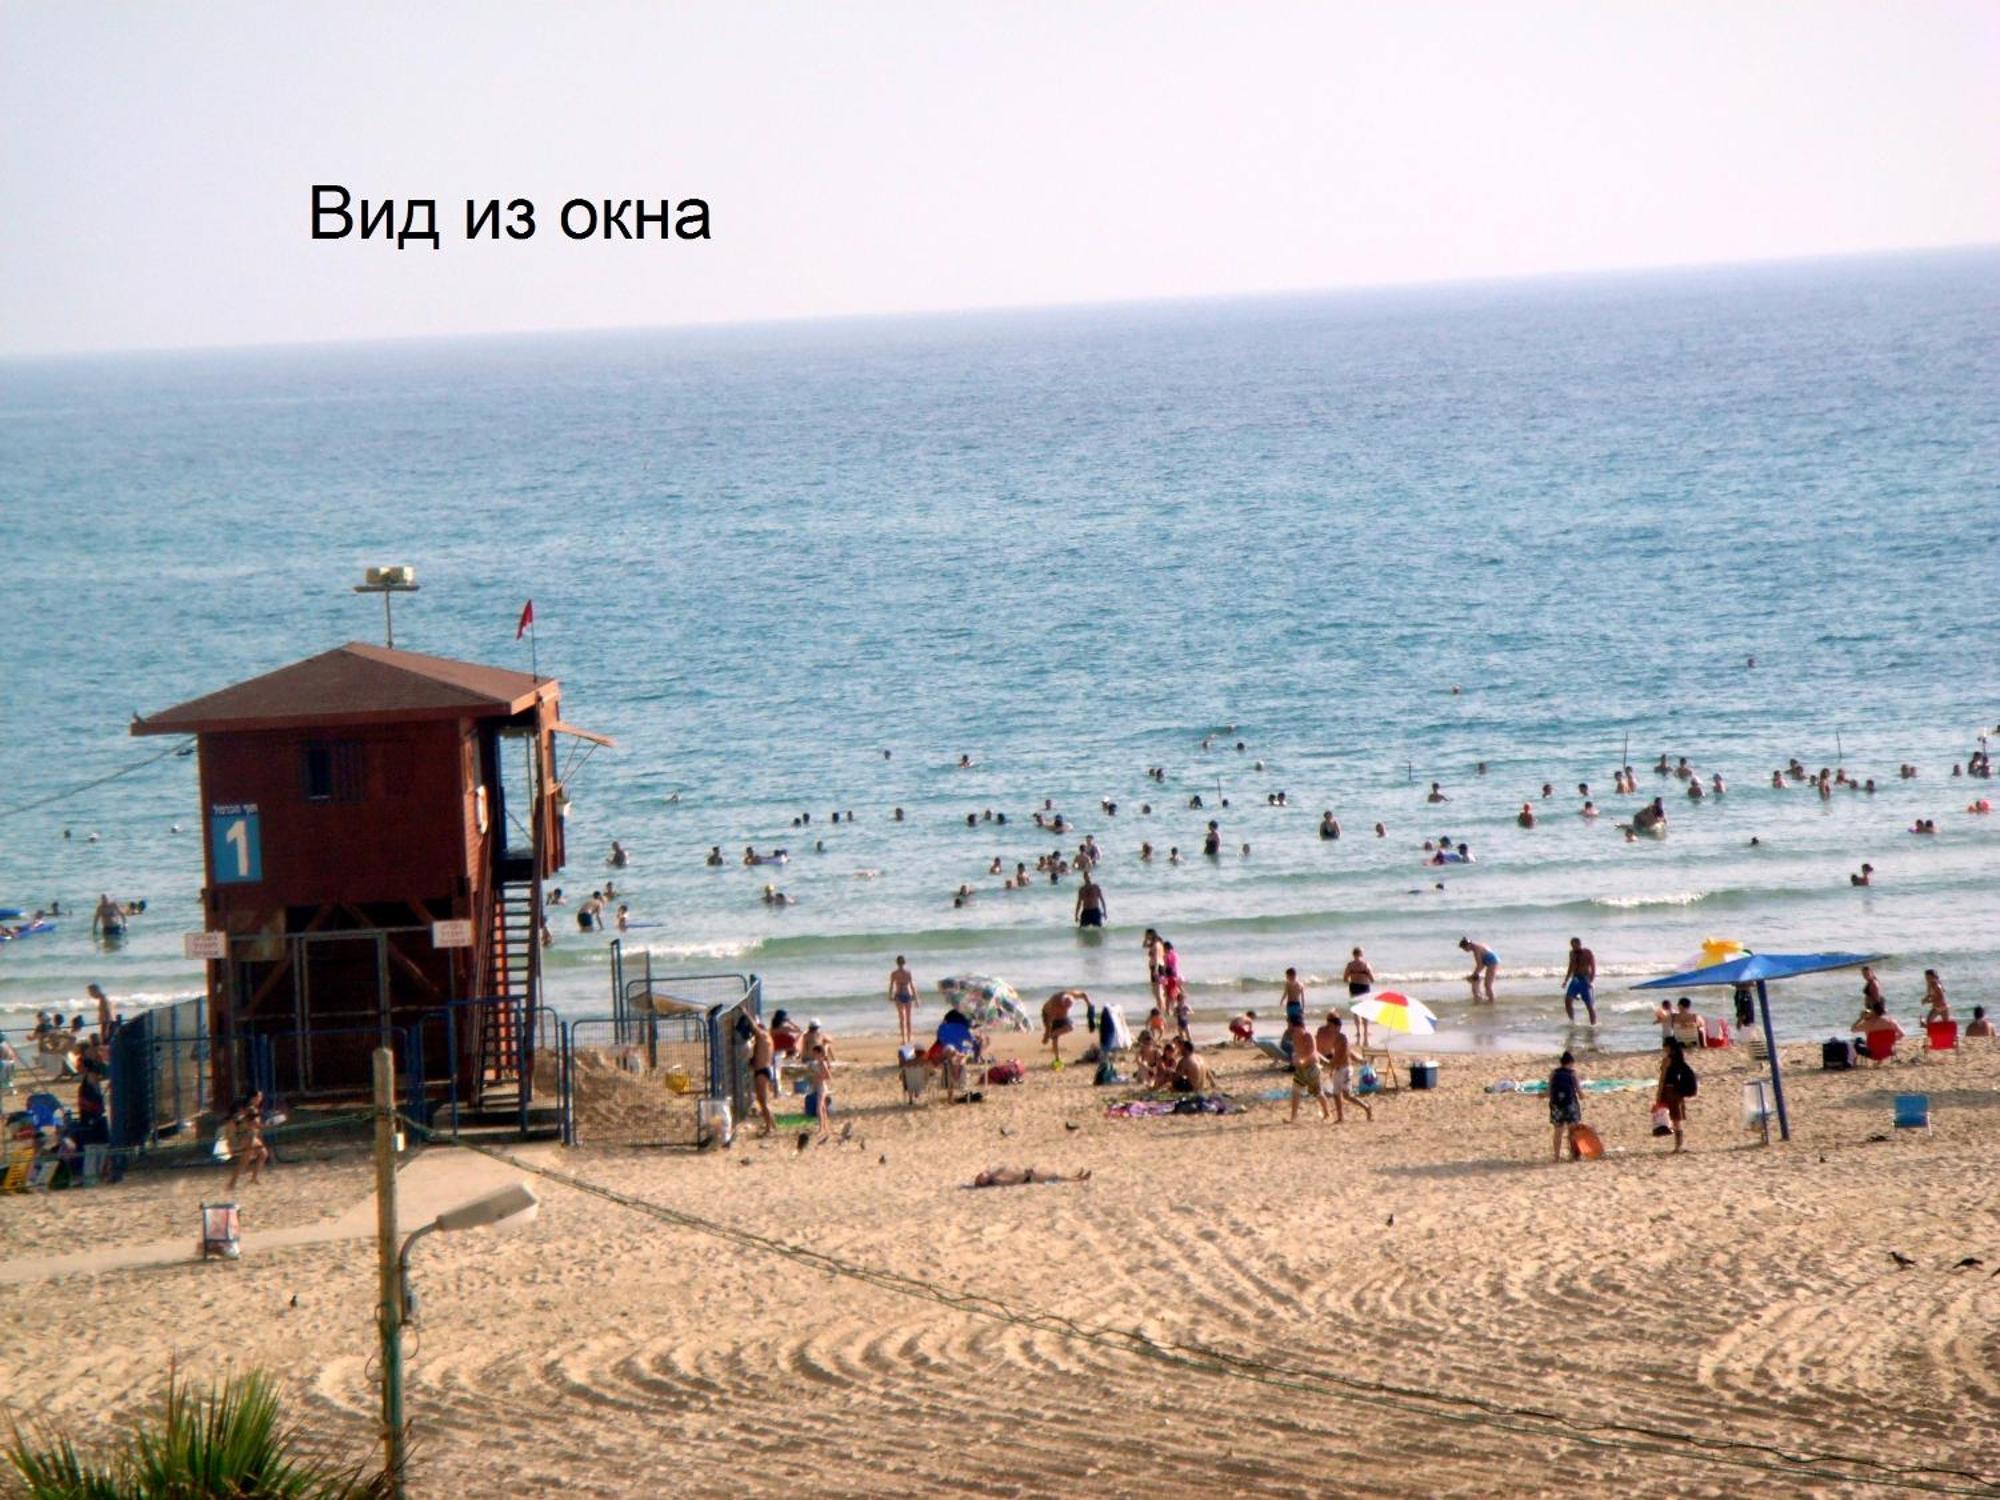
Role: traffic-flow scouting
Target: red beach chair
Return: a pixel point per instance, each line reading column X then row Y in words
column 1941, row 1036
column 1878, row 1045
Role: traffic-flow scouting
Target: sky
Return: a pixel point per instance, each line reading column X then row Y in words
column 156, row 161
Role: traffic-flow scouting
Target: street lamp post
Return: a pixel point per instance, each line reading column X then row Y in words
column 388, row 582
column 513, row 1204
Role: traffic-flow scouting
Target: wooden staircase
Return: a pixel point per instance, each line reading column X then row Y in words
column 514, row 970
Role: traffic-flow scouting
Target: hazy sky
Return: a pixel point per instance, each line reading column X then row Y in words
column 155, row 160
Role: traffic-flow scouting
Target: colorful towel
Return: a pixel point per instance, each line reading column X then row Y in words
column 1187, row 1104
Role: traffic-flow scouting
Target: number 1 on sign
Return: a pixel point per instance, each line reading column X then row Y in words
column 238, row 838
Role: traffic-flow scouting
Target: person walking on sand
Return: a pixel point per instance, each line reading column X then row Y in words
column 1337, row 1067
column 1580, row 981
column 1677, row 1085
column 246, row 1140
column 903, row 995
column 1305, row 1070
column 1485, row 964
column 1565, row 1108
column 1090, row 906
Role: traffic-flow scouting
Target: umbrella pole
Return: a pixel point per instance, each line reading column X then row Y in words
column 1771, row 1046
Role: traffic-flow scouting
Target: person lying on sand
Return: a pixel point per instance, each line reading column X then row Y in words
column 1021, row 1176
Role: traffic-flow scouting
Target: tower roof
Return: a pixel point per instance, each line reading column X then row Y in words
column 356, row 684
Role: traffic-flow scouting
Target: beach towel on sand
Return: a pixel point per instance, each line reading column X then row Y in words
column 1187, row 1104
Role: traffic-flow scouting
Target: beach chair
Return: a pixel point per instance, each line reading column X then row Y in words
column 92, row 1171
column 1719, row 1034
column 1384, row 1065
column 1272, row 1050
column 1879, row 1045
column 1913, row 1112
column 1940, row 1036
column 19, row 1164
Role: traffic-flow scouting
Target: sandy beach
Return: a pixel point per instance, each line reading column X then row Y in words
column 1421, row 1304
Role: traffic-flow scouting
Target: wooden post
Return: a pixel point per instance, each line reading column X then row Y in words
column 389, row 1309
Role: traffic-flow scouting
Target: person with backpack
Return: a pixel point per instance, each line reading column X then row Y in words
column 1678, row 1084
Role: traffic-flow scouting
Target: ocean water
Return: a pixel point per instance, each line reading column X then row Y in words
column 1378, row 537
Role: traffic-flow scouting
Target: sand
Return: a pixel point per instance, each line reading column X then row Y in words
column 1737, row 1294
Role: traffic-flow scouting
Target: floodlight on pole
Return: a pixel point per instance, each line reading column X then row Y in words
column 507, row 1207
column 388, row 582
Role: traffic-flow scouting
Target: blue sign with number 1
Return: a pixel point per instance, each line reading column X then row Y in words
column 235, row 843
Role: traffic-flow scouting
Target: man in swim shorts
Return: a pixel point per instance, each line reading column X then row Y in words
column 1305, row 1070
column 1338, row 1068
column 1485, row 964
column 1580, row 981
column 1090, row 907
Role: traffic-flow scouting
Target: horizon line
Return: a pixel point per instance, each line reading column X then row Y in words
column 1172, row 299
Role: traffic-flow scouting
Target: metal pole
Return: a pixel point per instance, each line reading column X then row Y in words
column 1771, row 1046
column 389, row 1309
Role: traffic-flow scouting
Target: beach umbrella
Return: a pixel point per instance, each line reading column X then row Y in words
column 1397, row 1012
column 1757, row 968
column 985, row 1000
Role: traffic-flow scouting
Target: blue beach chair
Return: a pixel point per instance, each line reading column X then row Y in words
column 1913, row 1112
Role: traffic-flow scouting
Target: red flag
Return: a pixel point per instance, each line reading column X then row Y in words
column 527, row 619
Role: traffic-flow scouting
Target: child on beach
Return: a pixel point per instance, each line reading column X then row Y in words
column 817, row 1051
column 1305, row 1070
column 1565, row 1108
column 1677, row 1085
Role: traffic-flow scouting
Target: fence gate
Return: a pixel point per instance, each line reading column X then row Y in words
column 635, row 1083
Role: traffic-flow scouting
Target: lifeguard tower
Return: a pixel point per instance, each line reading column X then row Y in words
column 379, row 825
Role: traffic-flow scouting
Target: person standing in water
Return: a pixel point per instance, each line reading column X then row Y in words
column 1485, row 964
column 1090, row 906
column 903, row 995
column 1580, row 981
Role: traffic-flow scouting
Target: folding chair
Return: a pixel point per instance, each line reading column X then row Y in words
column 1913, row 1112
column 1940, row 1036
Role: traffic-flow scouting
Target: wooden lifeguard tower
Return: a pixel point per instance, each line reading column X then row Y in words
column 379, row 825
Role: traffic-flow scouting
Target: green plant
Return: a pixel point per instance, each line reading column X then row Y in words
column 228, row 1443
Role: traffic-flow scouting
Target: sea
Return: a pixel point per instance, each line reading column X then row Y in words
column 1335, row 546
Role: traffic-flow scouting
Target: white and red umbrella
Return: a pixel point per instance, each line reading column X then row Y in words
column 1397, row 1012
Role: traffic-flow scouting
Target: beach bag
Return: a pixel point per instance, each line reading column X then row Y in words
column 1009, row 1071
column 1836, row 1054
column 1685, row 1083
column 1367, row 1082
column 1663, row 1123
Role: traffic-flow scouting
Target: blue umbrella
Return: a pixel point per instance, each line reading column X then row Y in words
column 1756, row 968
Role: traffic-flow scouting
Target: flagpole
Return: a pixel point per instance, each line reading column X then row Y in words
column 534, row 657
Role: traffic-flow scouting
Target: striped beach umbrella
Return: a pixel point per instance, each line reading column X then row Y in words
column 1397, row 1012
